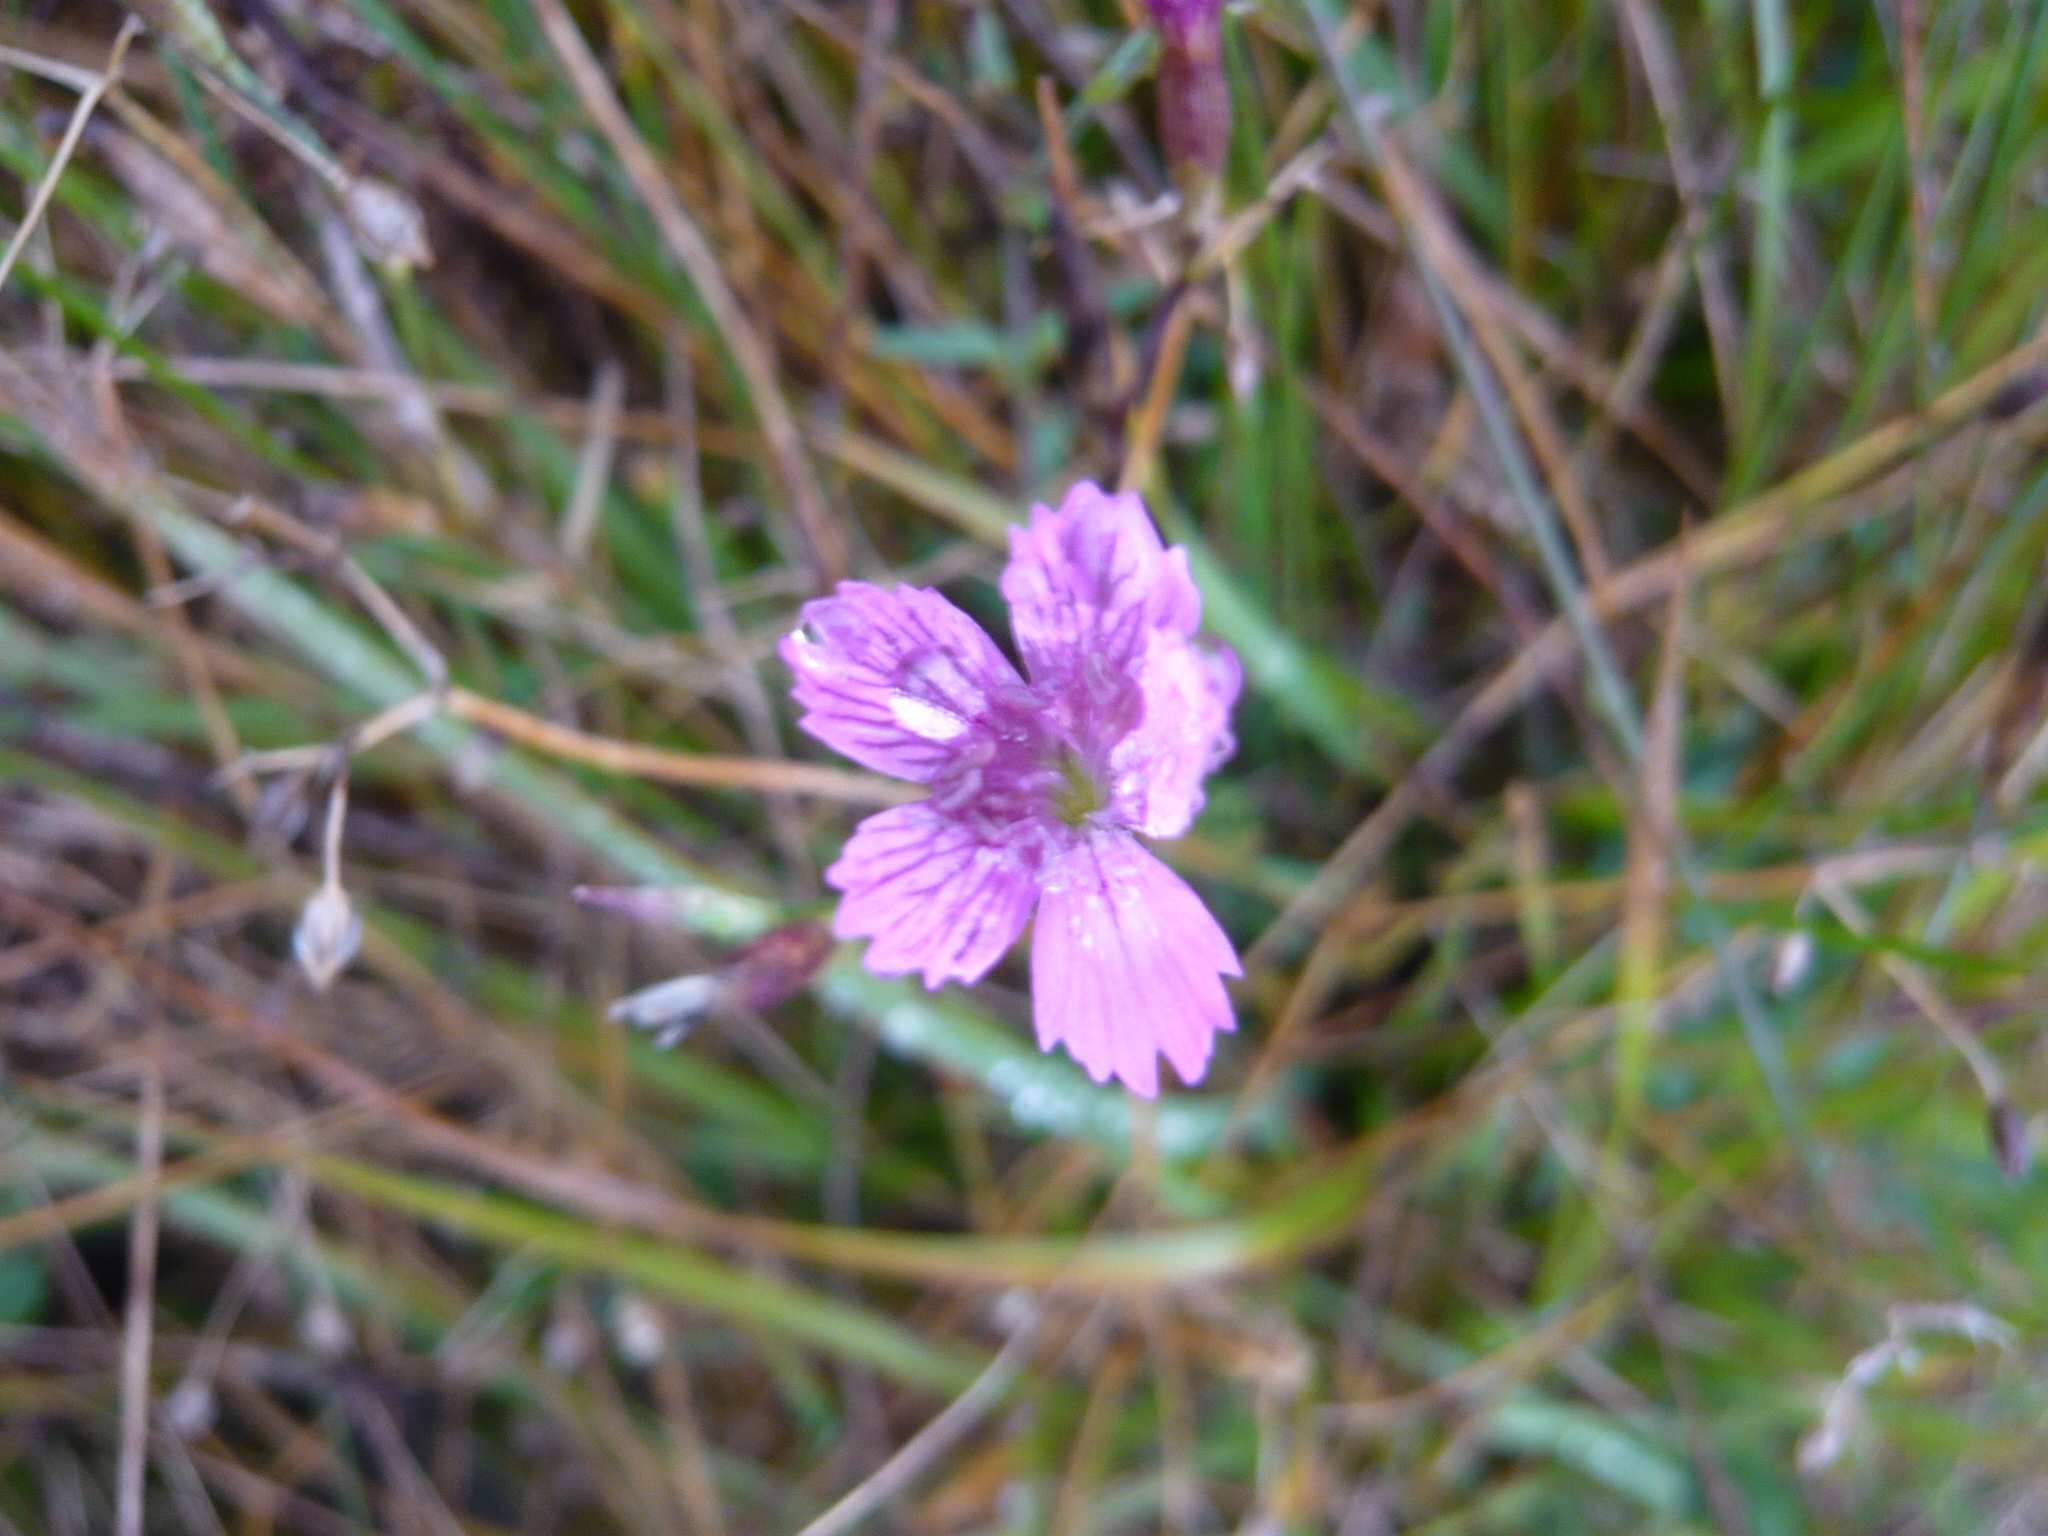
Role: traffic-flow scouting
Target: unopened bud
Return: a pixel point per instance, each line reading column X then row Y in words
column 1795, row 959
column 189, row 1409
column 388, row 225
column 668, row 1010
column 323, row 1329
column 328, row 935
column 1194, row 90
column 637, row 1331
column 565, row 1345
column 769, row 971
column 1241, row 367
column 778, row 965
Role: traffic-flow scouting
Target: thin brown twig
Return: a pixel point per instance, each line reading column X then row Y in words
column 1623, row 397
column 1071, row 1510
column 691, row 1473
column 1545, row 339
column 174, row 629
column 1181, row 1482
column 1148, row 420
column 81, row 114
column 702, row 770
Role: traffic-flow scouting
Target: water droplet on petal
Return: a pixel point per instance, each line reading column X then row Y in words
column 921, row 717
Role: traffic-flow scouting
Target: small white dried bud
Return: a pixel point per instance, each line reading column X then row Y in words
column 324, row 1329
column 475, row 761
column 189, row 1409
column 328, row 935
column 668, row 1009
column 1014, row 1310
column 1241, row 367
column 2012, row 1141
column 565, row 1346
column 1795, row 959
column 637, row 1331
column 1822, row 1447
column 388, row 224
column 576, row 152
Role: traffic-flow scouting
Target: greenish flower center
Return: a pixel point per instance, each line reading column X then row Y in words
column 1078, row 796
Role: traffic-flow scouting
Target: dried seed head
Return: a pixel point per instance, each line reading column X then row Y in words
column 638, row 1332
column 324, row 1329
column 1795, row 959
column 189, row 1409
column 388, row 224
column 329, row 933
column 565, row 1345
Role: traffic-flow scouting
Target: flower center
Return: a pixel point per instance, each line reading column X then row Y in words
column 1077, row 796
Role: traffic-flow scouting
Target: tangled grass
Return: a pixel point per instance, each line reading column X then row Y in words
column 1609, row 434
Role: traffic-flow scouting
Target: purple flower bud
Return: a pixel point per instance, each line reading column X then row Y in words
column 1194, row 91
column 768, row 972
column 778, row 965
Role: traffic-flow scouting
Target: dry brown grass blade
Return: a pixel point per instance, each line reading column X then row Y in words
column 687, row 244
column 1414, row 206
column 1922, row 194
column 41, row 574
column 1646, row 886
column 192, row 215
column 334, row 382
column 1148, row 418
column 1081, row 1483
column 1653, row 50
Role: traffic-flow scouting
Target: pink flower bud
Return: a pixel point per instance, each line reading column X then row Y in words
column 1194, row 90
column 778, row 965
column 769, row 971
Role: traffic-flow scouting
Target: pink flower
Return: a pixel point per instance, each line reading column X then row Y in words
column 1039, row 788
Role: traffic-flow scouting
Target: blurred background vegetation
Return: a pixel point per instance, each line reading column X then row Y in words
column 1610, row 433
